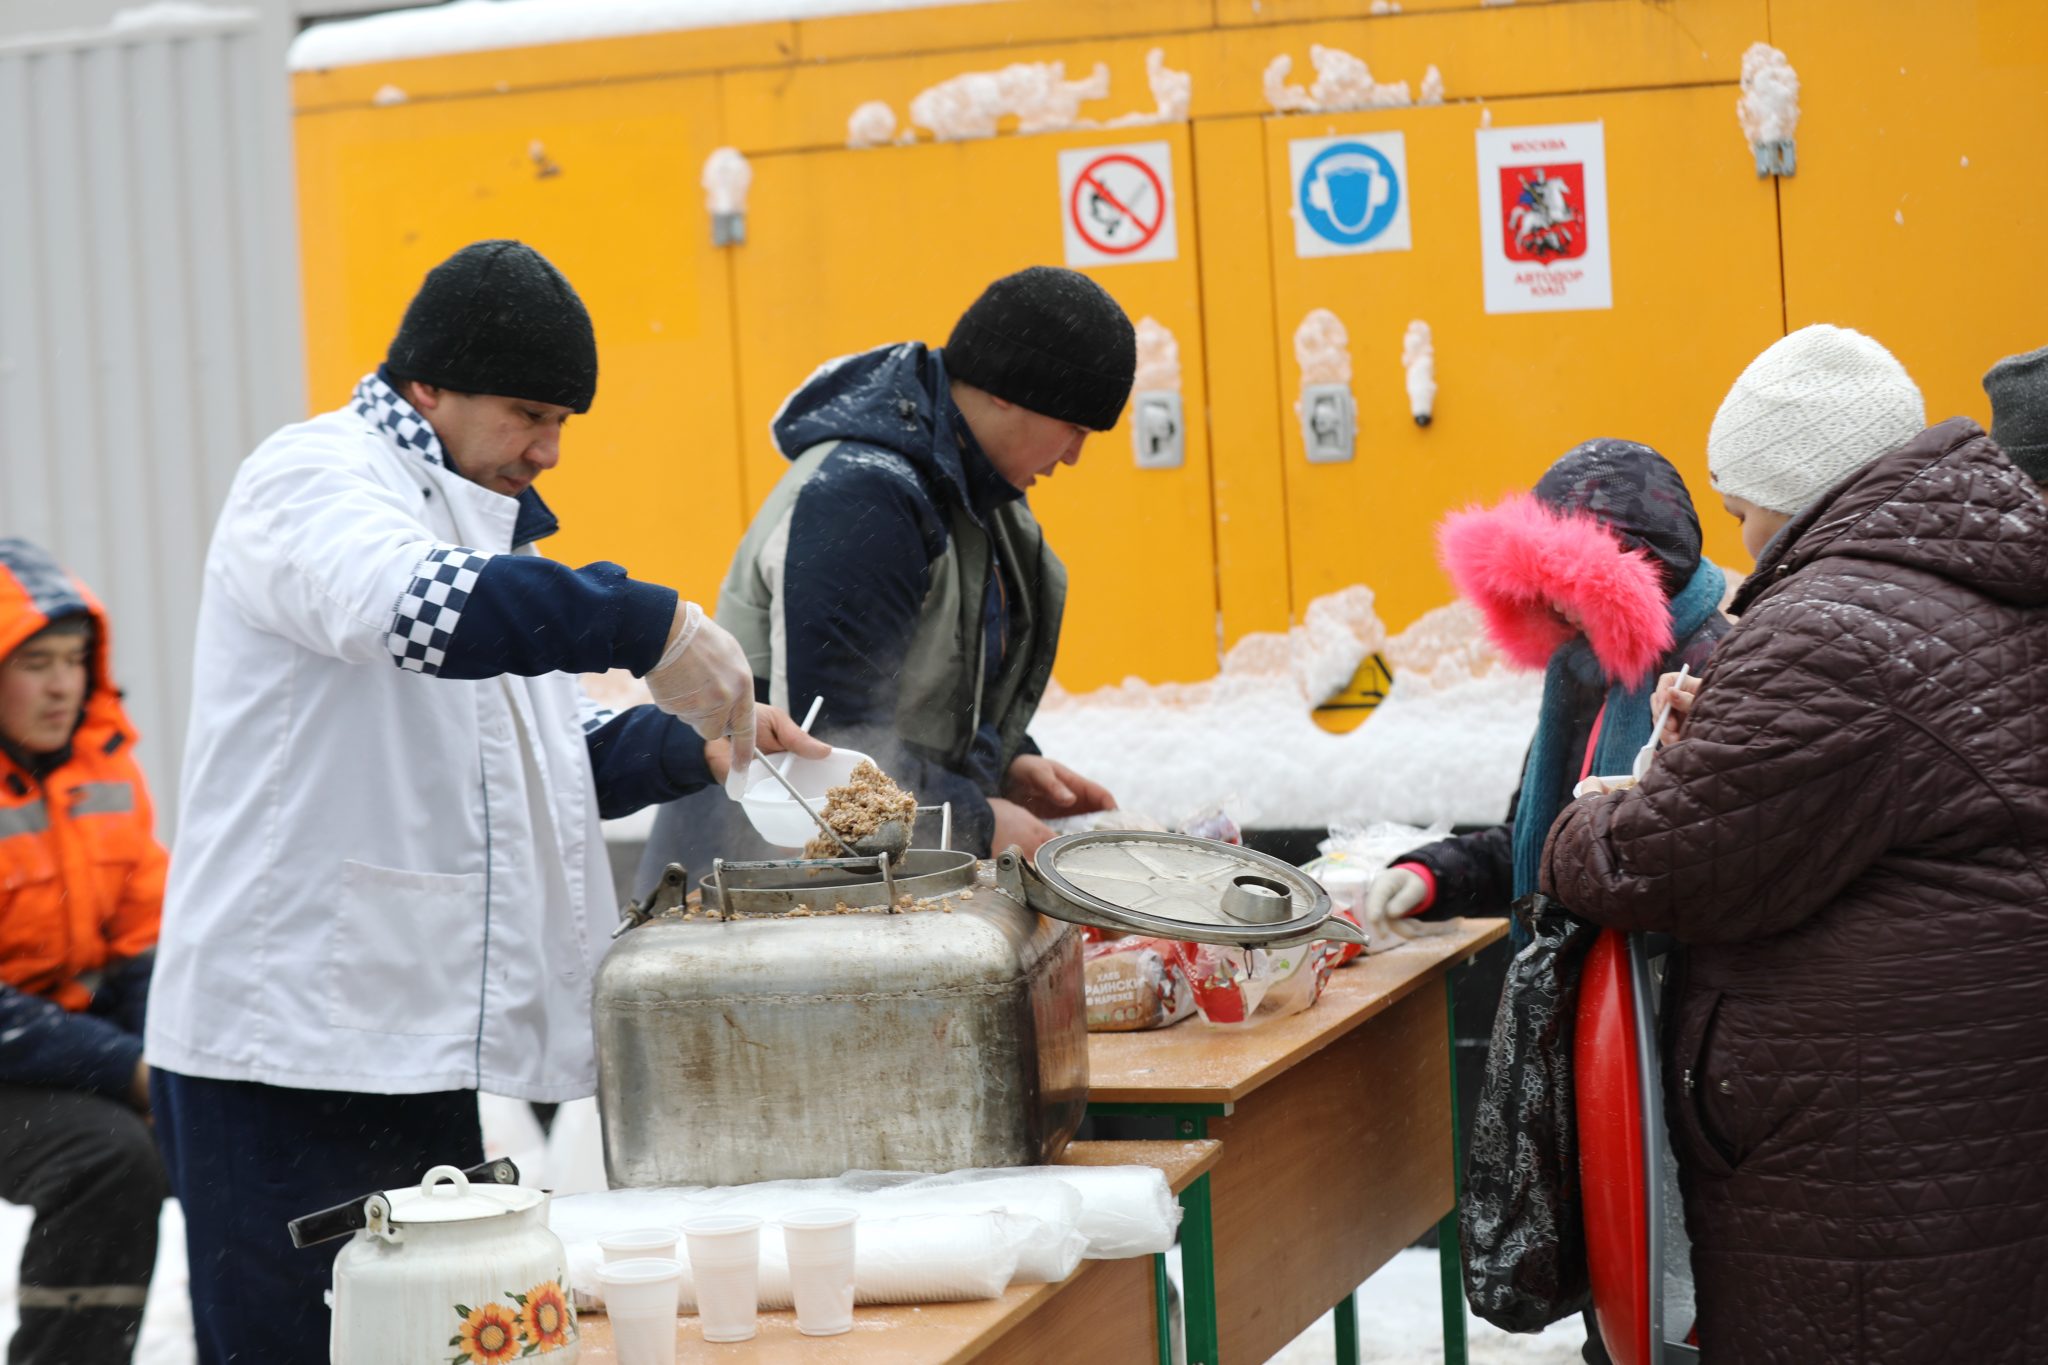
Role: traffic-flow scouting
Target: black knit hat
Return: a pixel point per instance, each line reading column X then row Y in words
column 497, row 318
column 2018, row 389
column 1050, row 340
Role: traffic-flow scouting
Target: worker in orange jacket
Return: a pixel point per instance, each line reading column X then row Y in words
column 81, row 890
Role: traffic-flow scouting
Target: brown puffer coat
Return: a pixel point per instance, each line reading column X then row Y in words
column 1853, row 837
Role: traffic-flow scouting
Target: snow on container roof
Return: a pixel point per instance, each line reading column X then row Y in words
column 157, row 19
column 480, row 25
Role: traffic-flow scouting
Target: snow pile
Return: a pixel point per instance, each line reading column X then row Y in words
column 1445, row 747
column 1418, row 362
column 1038, row 94
column 1158, row 358
column 871, row 125
column 1432, row 86
column 1769, row 108
column 1172, row 92
column 1343, row 81
column 1324, row 348
column 480, row 25
column 727, row 178
column 1386, row 6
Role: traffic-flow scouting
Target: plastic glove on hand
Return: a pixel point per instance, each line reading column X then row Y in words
column 705, row 681
column 1393, row 896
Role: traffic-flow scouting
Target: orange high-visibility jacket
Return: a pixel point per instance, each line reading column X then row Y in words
column 81, row 872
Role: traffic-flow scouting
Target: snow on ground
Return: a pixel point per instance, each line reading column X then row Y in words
column 1445, row 747
column 166, row 1321
column 479, row 25
column 1400, row 1322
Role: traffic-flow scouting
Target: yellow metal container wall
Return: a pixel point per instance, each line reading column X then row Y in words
column 1248, row 532
column 847, row 250
column 1920, row 208
column 1247, row 458
column 603, row 180
column 1696, row 295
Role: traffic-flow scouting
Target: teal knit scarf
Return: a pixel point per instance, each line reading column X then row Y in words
column 1552, row 772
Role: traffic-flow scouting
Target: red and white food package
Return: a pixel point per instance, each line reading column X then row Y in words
column 1133, row 983
column 1228, row 983
column 1237, row 986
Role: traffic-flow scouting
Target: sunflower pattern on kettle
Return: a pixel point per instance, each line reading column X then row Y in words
column 533, row 1323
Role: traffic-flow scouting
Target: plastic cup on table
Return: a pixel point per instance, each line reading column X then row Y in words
column 725, row 1264
column 635, row 1244
column 820, row 1248
column 640, row 1298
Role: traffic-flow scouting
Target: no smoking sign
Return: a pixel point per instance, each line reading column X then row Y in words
column 1116, row 204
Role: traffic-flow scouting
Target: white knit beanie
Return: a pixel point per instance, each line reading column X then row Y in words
column 1818, row 404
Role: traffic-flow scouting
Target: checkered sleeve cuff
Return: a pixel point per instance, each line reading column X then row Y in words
column 431, row 607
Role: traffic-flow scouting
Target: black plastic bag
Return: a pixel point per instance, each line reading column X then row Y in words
column 1521, row 1217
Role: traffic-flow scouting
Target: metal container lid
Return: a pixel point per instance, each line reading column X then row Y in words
column 1179, row 886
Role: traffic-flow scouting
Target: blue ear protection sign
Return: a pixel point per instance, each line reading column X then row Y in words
column 1350, row 194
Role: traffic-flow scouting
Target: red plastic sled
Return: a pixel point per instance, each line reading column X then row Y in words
column 1621, row 1139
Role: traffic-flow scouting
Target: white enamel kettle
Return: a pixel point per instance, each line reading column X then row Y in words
column 455, row 1271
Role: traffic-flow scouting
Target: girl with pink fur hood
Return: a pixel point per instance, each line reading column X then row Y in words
column 1596, row 578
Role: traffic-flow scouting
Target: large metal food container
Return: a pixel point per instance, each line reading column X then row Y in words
column 792, row 1039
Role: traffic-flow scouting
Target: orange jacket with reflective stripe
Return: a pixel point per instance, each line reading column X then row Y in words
column 81, row 872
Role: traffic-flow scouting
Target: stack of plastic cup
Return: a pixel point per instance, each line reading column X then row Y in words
column 639, row 1243
column 820, row 1245
column 640, row 1299
column 725, row 1264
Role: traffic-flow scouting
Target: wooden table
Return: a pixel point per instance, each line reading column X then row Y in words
column 1105, row 1313
column 1340, row 1147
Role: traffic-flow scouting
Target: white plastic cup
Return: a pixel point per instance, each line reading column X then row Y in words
column 640, row 1298
column 725, row 1264
column 636, row 1244
column 819, row 1243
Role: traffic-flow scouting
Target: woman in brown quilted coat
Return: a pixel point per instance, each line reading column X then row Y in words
column 1851, row 836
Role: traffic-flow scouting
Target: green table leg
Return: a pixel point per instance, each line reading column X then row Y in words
column 1162, row 1311
column 1450, row 1260
column 1197, row 1236
column 1347, row 1329
column 1198, row 1274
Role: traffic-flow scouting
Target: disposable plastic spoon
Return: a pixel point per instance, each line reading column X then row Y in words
column 1648, row 752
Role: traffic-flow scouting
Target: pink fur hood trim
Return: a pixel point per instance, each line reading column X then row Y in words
column 1514, row 559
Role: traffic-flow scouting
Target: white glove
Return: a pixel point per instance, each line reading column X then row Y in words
column 705, row 681
column 1394, row 895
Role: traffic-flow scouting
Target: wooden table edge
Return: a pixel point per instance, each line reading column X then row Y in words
column 1208, row 1151
column 1489, row 931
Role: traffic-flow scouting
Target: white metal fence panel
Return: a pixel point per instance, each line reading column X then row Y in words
column 149, row 320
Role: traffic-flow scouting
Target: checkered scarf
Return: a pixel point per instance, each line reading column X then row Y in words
column 377, row 403
column 431, row 606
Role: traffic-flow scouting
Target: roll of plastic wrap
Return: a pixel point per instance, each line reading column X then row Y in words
column 1125, row 1210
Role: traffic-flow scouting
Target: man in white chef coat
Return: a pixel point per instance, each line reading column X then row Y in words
column 389, row 887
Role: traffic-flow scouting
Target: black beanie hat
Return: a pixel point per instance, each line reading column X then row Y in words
column 1049, row 340
column 496, row 318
